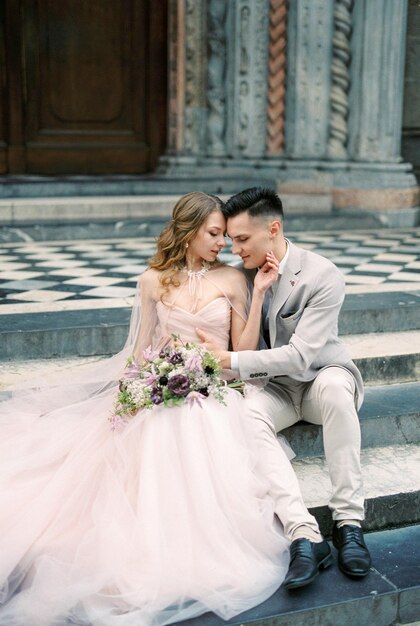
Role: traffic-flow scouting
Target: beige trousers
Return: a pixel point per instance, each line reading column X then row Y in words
column 329, row 400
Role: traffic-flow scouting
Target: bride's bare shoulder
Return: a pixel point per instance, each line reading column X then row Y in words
column 150, row 274
column 232, row 280
column 232, row 273
column 150, row 278
column 227, row 269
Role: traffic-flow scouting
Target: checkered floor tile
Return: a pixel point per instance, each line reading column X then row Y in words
column 43, row 272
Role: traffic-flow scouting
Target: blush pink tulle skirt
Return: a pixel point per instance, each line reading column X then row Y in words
column 160, row 521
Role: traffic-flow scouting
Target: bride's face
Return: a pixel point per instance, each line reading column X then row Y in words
column 209, row 239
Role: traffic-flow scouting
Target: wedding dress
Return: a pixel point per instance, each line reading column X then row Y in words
column 160, row 521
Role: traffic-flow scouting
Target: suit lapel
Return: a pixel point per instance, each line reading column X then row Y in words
column 287, row 283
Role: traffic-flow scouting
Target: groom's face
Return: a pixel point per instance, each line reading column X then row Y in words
column 251, row 238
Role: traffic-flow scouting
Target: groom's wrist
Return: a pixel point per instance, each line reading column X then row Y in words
column 224, row 360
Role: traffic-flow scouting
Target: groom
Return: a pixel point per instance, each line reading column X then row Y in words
column 309, row 373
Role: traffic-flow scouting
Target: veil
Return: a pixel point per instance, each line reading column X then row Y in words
column 37, row 397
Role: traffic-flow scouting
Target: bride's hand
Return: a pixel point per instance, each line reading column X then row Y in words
column 267, row 274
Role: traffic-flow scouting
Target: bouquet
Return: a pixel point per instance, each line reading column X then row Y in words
column 172, row 375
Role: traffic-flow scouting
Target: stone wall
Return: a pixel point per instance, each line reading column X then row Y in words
column 306, row 95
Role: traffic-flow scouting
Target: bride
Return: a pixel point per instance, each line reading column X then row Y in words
column 165, row 517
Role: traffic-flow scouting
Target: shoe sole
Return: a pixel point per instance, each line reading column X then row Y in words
column 326, row 562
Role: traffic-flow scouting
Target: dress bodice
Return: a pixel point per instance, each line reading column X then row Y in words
column 213, row 319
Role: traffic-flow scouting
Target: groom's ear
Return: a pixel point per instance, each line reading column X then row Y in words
column 275, row 228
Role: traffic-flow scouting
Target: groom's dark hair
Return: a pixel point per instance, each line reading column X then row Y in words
column 257, row 201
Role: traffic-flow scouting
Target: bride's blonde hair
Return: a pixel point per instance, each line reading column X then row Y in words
column 189, row 213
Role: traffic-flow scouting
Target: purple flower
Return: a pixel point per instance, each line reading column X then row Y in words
column 150, row 378
column 176, row 358
column 179, row 385
column 132, row 370
column 156, row 395
column 193, row 363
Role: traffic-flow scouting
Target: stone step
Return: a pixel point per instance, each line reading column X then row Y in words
column 65, row 333
column 62, row 188
column 391, row 478
column 382, row 358
column 392, row 472
column 100, row 327
column 389, row 415
column 18, row 373
column 386, row 357
column 379, row 312
column 98, row 217
column 388, row 595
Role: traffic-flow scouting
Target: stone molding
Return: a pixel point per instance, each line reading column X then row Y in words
column 376, row 199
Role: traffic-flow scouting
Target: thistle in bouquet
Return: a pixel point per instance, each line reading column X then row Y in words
column 176, row 373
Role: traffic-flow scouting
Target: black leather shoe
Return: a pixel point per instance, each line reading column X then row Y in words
column 353, row 555
column 306, row 559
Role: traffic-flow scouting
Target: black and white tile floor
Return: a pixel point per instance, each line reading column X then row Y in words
column 39, row 276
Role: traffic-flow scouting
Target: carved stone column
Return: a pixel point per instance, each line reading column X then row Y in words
column 374, row 177
column 176, row 76
column 276, row 81
column 195, row 75
column 310, row 30
column 247, row 78
column 378, row 77
column 340, row 79
column 305, row 95
column 216, row 76
column 187, row 78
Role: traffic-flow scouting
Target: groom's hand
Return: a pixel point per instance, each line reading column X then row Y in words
column 221, row 355
column 268, row 274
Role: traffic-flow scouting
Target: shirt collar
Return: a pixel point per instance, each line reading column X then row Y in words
column 283, row 262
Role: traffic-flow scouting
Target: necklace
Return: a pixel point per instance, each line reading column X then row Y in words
column 194, row 280
column 205, row 266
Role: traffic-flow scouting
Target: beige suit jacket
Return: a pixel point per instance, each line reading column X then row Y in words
column 303, row 323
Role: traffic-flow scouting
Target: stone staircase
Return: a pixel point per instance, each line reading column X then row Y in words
column 100, row 216
column 381, row 330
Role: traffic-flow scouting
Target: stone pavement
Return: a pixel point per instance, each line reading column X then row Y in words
column 52, row 276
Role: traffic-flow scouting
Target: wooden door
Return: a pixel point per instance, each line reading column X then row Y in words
column 84, row 86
